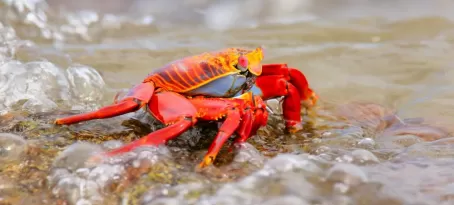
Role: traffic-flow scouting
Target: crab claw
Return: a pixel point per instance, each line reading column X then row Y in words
column 311, row 99
column 291, row 84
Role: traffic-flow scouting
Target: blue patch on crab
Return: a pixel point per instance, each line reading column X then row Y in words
column 223, row 87
column 254, row 89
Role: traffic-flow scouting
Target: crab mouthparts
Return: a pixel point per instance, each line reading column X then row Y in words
column 256, row 69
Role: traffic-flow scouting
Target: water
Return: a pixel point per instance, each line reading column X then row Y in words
column 381, row 133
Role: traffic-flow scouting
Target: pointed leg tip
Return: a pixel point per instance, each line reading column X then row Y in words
column 58, row 122
column 207, row 161
column 62, row 121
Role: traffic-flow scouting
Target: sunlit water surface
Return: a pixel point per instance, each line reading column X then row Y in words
column 380, row 134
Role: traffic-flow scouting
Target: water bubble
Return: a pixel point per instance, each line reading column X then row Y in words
column 348, row 174
column 75, row 155
column 11, row 147
column 8, row 43
column 76, row 182
column 288, row 162
column 364, row 156
column 248, row 153
column 41, row 86
column 366, row 143
column 86, row 83
column 112, row 144
column 40, row 82
column 39, row 104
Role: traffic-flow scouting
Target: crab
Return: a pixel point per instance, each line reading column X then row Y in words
column 228, row 85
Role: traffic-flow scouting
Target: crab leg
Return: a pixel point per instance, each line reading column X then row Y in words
column 244, row 131
column 260, row 119
column 134, row 100
column 253, row 118
column 226, row 130
column 169, row 108
column 180, row 114
column 155, row 138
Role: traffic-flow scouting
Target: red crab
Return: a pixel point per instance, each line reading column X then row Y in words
column 228, row 85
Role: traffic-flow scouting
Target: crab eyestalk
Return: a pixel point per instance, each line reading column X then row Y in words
column 255, row 61
column 242, row 63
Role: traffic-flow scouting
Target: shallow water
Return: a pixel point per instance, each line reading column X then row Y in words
column 380, row 133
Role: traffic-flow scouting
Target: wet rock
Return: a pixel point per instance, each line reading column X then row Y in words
column 12, row 147
column 370, row 116
column 424, row 132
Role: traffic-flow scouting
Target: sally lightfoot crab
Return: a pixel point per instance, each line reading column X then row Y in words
column 243, row 115
column 184, row 90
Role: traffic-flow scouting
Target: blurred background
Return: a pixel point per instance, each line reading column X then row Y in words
column 390, row 52
column 375, row 59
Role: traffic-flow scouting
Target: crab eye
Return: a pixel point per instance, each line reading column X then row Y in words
column 242, row 63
